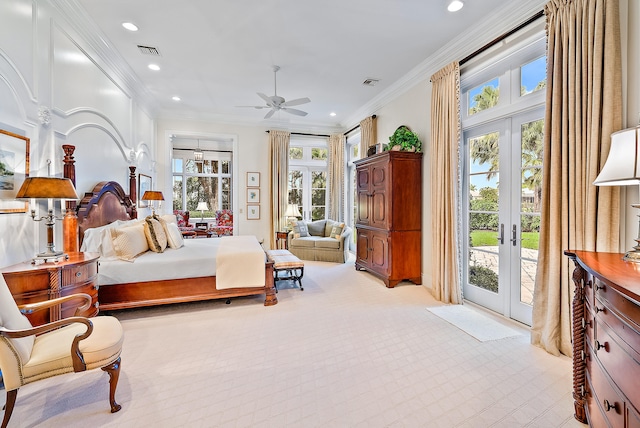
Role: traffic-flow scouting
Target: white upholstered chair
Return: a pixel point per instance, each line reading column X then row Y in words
column 75, row 344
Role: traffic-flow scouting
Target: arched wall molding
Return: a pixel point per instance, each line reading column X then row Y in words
column 115, row 137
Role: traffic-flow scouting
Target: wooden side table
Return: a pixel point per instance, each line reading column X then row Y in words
column 31, row 283
column 281, row 240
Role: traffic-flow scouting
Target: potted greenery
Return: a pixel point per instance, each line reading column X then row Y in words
column 404, row 139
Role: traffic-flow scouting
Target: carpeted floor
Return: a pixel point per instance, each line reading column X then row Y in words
column 345, row 352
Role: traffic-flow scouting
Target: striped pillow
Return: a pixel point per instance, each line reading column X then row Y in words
column 129, row 242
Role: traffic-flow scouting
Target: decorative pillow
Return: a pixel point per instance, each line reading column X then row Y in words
column 174, row 236
column 167, row 218
column 316, row 228
column 129, row 242
column 328, row 227
column 299, row 229
column 154, row 232
column 336, row 231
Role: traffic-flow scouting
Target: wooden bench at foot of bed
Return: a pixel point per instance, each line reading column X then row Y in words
column 151, row 293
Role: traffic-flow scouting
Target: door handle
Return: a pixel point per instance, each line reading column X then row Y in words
column 501, row 237
column 514, row 235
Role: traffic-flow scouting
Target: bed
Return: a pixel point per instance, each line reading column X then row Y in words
column 191, row 273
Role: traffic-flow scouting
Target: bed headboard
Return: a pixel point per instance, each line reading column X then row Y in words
column 107, row 202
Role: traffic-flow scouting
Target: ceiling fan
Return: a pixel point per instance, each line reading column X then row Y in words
column 277, row 103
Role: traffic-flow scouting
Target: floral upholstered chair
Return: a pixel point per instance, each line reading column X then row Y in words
column 224, row 223
column 182, row 219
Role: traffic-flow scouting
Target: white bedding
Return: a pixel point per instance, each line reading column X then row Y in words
column 197, row 258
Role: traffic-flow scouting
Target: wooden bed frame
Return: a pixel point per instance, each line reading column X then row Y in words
column 108, row 202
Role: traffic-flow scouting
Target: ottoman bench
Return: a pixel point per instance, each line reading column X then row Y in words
column 284, row 261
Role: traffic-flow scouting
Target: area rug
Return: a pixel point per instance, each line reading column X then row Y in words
column 474, row 323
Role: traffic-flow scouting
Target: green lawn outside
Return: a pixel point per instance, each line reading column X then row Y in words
column 483, row 238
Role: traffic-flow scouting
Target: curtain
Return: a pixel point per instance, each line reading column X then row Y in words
column 279, row 147
column 336, row 177
column 445, row 138
column 368, row 137
column 583, row 108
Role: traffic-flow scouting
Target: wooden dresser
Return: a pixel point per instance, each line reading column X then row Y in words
column 606, row 339
column 30, row 283
column 389, row 216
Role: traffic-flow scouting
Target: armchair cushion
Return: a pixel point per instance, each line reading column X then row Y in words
column 12, row 319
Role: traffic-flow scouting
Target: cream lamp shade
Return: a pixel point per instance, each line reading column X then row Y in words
column 622, row 169
column 292, row 211
column 623, row 163
column 202, row 206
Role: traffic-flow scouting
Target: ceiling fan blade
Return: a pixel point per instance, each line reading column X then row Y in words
column 267, row 99
column 296, row 102
column 294, row 111
column 270, row 113
column 256, row 107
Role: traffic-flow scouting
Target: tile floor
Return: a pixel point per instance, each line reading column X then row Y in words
column 345, row 352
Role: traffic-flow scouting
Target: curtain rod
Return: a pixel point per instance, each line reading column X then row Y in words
column 305, row 134
column 502, row 37
column 202, row 150
column 358, row 126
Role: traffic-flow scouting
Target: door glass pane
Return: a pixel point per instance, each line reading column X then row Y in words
column 531, row 192
column 318, row 194
column 295, row 188
column 484, row 96
column 483, row 211
column 226, row 193
column 533, row 76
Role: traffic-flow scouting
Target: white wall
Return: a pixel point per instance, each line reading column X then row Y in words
column 56, row 90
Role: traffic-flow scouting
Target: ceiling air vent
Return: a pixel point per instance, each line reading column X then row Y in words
column 149, row 50
column 370, row 81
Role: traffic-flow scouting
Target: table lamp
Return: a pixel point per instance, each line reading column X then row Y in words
column 622, row 168
column 292, row 212
column 47, row 188
column 202, row 207
column 152, row 196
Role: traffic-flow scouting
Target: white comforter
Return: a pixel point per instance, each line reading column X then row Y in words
column 197, row 258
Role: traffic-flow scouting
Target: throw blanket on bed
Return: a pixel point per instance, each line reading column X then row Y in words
column 240, row 262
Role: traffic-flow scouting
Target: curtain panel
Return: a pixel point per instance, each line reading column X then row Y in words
column 368, row 135
column 279, row 148
column 445, row 140
column 583, row 108
column 336, row 176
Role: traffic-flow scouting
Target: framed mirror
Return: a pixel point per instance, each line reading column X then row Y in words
column 14, row 168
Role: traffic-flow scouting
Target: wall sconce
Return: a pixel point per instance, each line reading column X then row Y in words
column 152, row 196
column 47, row 188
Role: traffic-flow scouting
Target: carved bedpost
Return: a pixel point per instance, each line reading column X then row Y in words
column 70, row 222
column 132, row 190
column 579, row 352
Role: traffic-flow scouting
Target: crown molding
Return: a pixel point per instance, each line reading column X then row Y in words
column 512, row 14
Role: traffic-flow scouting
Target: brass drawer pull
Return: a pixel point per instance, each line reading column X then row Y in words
column 608, row 406
column 599, row 287
column 600, row 345
column 598, row 309
column 585, row 323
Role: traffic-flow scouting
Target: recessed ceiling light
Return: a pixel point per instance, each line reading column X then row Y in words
column 176, row 98
column 154, row 67
column 333, row 113
column 455, row 5
column 130, row 26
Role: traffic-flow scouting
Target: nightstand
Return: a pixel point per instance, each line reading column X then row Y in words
column 281, row 240
column 31, row 283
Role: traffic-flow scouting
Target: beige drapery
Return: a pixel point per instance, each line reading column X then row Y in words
column 368, row 137
column 279, row 148
column 336, row 177
column 445, row 137
column 583, row 108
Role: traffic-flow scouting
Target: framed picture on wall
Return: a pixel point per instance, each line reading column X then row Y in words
column 14, row 168
column 253, row 195
column 144, row 184
column 253, row 179
column 253, row 212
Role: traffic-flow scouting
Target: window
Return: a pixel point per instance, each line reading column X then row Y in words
column 308, row 176
column 205, row 181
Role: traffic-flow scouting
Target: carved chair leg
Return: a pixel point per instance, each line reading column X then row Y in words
column 114, row 374
column 8, row 407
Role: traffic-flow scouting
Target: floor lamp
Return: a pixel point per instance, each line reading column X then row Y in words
column 622, row 168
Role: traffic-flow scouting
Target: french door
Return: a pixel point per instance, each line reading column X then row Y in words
column 308, row 189
column 502, row 173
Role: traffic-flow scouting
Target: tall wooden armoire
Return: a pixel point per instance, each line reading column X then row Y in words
column 389, row 216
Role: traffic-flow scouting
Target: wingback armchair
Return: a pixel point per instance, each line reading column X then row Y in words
column 75, row 344
column 182, row 220
column 224, row 223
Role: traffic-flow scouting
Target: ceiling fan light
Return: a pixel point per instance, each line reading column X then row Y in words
column 455, row 5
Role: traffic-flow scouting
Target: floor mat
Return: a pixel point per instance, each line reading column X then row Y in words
column 473, row 322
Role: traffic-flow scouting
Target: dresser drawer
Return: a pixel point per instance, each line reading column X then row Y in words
column 603, row 402
column 621, row 314
column 79, row 273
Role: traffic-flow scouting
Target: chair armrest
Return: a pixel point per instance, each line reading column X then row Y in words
column 34, row 307
column 76, row 355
